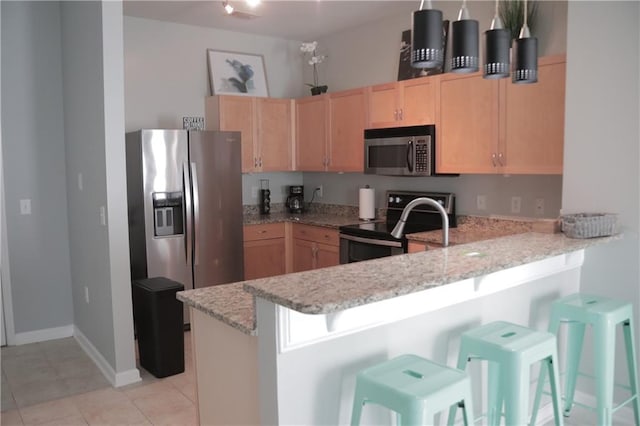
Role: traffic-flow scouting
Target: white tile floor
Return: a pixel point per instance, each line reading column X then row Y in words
column 55, row 383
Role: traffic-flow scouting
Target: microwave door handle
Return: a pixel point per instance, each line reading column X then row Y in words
column 410, row 156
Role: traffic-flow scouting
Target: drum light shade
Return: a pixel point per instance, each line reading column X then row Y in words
column 426, row 39
column 525, row 54
column 496, row 53
column 464, row 40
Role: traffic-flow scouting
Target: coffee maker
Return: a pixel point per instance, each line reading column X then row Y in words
column 295, row 200
column 265, row 197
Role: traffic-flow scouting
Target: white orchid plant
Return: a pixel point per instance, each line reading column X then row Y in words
column 314, row 59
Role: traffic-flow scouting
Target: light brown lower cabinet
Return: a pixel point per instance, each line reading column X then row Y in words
column 264, row 250
column 415, row 246
column 314, row 247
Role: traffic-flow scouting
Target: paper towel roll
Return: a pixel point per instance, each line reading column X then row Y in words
column 367, row 203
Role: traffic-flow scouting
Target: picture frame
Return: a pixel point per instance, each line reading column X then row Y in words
column 405, row 70
column 236, row 73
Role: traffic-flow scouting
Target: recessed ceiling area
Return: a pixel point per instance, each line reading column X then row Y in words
column 293, row 20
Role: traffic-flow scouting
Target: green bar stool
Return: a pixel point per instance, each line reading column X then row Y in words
column 604, row 315
column 413, row 387
column 511, row 350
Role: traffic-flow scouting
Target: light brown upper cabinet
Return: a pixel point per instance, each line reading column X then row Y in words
column 532, row 118
column 330, row 132
column 347, row 115
column 404, row 103
column 312, row 124
column 265, row 125
column 491, row 126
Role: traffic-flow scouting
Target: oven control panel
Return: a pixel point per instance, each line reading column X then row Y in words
column 397, row 200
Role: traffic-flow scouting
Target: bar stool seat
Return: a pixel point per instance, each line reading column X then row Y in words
column 511, row 350
column 604, row 315
column 413, row 387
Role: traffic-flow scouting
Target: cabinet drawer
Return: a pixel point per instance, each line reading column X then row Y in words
column 263, row 232
column 316, row 233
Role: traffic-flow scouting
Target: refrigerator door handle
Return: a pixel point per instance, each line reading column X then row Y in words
column 196, row 213
column 187, row 198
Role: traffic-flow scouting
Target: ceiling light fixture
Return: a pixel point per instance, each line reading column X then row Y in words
column 525, row 51
column 496, row 52
column 252, row 3
column 227, row 7
column 426, row 37
column 464, row 36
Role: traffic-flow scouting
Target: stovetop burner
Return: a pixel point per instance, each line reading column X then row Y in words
column 422, row 218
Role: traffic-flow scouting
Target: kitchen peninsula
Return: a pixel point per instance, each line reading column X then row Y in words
column 316, row 329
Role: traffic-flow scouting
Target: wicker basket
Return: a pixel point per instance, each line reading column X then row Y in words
column 589, row 225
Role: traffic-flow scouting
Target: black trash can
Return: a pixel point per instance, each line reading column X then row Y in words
column 159, row 324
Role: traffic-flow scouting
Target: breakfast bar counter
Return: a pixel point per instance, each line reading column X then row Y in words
column 317, row 329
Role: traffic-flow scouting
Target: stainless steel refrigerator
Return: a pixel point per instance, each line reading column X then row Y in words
column 184, row 192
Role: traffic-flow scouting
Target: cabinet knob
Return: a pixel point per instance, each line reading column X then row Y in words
column 395, row 114
column 493, row 159
column 255, row 162
column 401, row 114
column 500, row 158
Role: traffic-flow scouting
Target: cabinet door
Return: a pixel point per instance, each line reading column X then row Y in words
column 236, row 113
column 264, row 258
column 383, row 105
column 532, row 117
column 467, row 125
column 311, row 133
column 418, row 102
column 274, row 134
column 303, row 255
column 327, row 255
column 346, row 136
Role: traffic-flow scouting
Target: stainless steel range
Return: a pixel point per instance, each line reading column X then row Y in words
column 371, row 240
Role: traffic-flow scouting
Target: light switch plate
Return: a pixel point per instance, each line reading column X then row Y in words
column 25, row 206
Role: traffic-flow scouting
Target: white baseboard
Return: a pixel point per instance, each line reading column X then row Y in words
column 122, row 378
column 43, row 335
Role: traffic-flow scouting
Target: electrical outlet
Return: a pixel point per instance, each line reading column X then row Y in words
column 319, row 189
column 86, row 294
column 539, row 206
column 515, row 204
column 80, row 182
column 481, row 202
column 254, row 192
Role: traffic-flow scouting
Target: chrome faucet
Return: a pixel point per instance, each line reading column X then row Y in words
column 399, row 228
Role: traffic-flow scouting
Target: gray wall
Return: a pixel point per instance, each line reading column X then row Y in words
column 498, row 190
column 602, row 142
column 34, row 165
column 94, row 124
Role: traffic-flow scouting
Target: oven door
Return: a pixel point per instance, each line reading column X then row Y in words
column 357, row 249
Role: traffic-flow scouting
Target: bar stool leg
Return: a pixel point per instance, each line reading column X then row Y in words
column 552, row 366
column 467, row 409
column 462, row 364
column 605, row 343
column 627, row 328
column 494, row 396
column 516, row 398
column 575, row 338
column 356, row 412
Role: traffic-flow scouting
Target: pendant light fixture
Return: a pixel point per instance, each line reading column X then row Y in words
column 426, row 37
column 525, row 51
column 496, row 52
column 464, row 35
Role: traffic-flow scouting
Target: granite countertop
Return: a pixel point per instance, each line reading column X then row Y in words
column 327, row 220
column 473, row 228
column 329, row 290
column 228, row 302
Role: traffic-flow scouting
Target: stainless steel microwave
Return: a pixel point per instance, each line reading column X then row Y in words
column 400, row 151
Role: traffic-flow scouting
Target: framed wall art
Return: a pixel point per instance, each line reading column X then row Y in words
column 234, row 73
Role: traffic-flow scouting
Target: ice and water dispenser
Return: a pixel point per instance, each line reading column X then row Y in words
column 168, row 213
